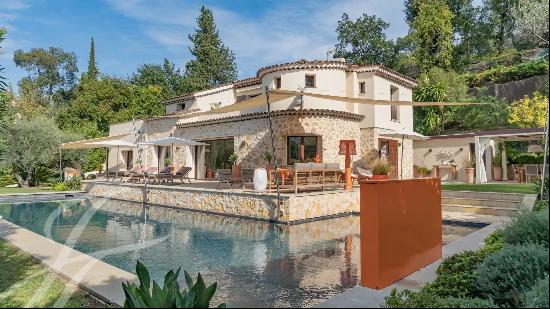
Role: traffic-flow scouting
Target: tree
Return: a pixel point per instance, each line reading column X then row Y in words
column 501, row 20
column 29, row 143
column 433, row 35
column 532, row 20
column 529, row 112
column 166, row 76
column 53, row 70
column 3, row 84
column 93, row 71
column 214, row 63
column 363, row 41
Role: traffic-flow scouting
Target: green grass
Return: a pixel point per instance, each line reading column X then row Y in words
column 24, row 190
column 524, row 188
column 21, row 279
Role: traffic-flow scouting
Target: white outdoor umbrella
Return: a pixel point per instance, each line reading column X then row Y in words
column 171, row 141
column 415, row 136
column 113, row 144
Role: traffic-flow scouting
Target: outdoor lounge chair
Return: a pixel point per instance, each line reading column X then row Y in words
column 128, row 175
column 247, row 176
column 182, row 174
column 224, row 176
column 164, row 175
column 363, row 173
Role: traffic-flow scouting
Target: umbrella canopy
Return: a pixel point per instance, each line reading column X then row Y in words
column 404, row 134
column 171, row 141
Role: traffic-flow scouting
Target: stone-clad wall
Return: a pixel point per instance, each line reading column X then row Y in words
column 252, row 136
column 308, row 206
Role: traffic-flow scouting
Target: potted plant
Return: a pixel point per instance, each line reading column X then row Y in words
column 317, row 158
column 235, row 168
column 268, row 157
column 167, row 162
column 380, row 169
column 470, row 171
column 423, row 171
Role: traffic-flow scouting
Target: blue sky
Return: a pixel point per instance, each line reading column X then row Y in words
column 128, row 33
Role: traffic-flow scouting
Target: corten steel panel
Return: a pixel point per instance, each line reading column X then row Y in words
column 401, row 228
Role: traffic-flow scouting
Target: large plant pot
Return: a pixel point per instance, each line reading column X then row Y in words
column 470, row 174
column 236, row 171
column 497, row 173
column 260, row 179
column 379, row 177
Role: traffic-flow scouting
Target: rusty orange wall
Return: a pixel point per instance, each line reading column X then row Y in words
column 401, row 228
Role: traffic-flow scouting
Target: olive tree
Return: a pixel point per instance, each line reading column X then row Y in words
column 28, row 144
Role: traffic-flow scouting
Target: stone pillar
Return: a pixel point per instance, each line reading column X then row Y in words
column 504, row 163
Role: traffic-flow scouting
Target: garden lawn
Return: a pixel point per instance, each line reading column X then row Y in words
column 24, row 190
column 21, row 279
column 523, row 188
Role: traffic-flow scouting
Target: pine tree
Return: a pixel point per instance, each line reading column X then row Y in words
column 214, row 63
column 93, row 72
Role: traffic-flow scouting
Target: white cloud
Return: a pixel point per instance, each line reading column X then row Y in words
column 286, row 31
column 13, row 5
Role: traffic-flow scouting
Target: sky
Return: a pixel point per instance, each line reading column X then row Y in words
column 128, row 33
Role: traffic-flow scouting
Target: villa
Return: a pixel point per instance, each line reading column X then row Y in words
column 233, row 118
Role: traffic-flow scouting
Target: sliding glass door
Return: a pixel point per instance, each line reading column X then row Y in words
column 217, row 153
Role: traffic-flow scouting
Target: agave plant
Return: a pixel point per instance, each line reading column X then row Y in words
column 150, row 295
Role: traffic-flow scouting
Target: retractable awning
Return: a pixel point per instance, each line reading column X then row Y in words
column 92, row 143
column 366, row 101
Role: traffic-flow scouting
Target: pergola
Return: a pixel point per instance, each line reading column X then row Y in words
column 482, row 142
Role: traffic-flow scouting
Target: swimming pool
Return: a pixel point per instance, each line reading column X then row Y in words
column 256, row 264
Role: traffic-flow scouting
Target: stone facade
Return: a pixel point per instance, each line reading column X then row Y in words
column 263, row 206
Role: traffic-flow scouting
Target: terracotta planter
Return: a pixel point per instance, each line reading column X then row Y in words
column 236, row 171
column 470, row 175
column 209, row 174
column 497, row 173
column 379, row 177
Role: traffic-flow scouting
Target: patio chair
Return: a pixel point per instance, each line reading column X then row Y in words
column 183, row 174
column 247, row 176
column 164, row 175
column 129, row 175
column 531, row 170
column 224, row 176
column 364, row 173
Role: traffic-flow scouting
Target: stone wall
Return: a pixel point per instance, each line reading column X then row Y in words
column 263, row 206
column 252, row 138
column 369, row 150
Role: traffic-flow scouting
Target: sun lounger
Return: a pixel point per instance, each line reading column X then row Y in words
column 164, row 175
column 182, row 174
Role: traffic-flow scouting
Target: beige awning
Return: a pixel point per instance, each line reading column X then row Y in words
column 88, row 143
column 366, row 101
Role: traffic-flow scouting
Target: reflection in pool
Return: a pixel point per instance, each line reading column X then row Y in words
column 255, row 263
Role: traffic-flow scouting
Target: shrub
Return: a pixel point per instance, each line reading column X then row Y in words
column 59, row 186
column 538, row 185
column 508, row 273
column 540, row 206
column 74, row 184
column 453, row 302
column 529, row 227
column 380, row 167
column 150, row 295
column 410, row 299
column 502, row 74
column 7, row 177
column 537, row 296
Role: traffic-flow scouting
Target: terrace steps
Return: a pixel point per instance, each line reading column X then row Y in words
column 486, row 203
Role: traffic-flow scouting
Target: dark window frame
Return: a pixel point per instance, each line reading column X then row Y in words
column 304, row 157
column 314, row 81
column 362, row 88
column 278, row 82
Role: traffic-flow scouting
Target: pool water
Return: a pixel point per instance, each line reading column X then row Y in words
column 256, row 264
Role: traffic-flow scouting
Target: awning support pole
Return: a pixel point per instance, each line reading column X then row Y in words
column 266, row 89
column 543, row 178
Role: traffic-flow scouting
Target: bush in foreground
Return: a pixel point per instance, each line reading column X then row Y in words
column 537, row 296
column 529, row 227
column 150, row 295
column 508, row 273
column 465, row 303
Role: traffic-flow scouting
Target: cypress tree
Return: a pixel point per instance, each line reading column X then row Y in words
column 214, row 63
column 93, row 72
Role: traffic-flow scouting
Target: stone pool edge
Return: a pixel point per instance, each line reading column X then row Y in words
column 93, row 276
column 362, row 297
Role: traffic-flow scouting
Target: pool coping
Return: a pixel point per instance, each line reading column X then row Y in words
column 362, row 297
column 92, row 275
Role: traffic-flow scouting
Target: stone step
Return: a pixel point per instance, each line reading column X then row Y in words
column 484, row 210
column 483, row 195
column 481, row 202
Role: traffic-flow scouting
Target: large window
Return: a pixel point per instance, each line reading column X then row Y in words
column 217, row 153
column 310, row 81
column 301, row 149
column 394, row 92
